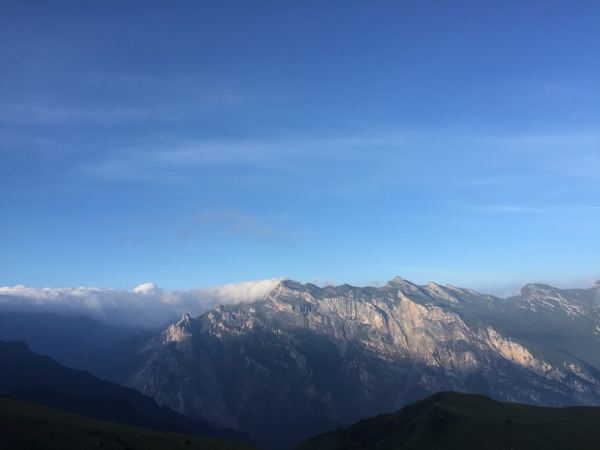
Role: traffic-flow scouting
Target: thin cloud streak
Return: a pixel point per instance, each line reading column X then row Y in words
column 49, row 115
column 523, row 209
column 461, row 142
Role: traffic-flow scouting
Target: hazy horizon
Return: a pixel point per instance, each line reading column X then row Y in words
column 499, row 290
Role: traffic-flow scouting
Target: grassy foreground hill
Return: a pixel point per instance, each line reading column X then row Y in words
column 450, row 420
column 24, row 426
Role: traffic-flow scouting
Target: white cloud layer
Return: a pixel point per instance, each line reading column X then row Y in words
column 146, row 306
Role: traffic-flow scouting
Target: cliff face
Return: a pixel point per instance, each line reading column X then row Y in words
column 307, row 359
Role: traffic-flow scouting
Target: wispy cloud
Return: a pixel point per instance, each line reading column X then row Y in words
column 55, row 115
column 561, row 91
column 232, row 221
column 524, row 209
column 423, row 150
column 168, row 161
column 244, row 225
column 457, row 160
column 534, row 141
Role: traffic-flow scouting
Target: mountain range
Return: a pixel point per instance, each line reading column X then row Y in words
column 305, row 359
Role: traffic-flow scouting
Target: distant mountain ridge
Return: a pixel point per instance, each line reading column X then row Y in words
column 78, row 342
column 306, row 358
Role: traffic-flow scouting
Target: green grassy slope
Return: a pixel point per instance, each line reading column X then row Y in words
column 463, row 421
column 26, row 426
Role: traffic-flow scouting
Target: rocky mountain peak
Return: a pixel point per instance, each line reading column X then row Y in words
column 405, row 286
column 396, row 281
column 536, row 288
column 180, row 331
column 290, row 284
column 185, row 319
column 537, row 296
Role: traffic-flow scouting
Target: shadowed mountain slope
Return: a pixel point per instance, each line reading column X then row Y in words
column 452, row 421
column 39, row 379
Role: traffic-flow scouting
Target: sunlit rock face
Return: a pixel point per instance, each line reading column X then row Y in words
column 306, row 359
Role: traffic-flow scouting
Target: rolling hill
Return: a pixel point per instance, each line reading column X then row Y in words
column 453, row 421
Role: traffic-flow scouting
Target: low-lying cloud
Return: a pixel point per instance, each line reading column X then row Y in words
column 146, row 306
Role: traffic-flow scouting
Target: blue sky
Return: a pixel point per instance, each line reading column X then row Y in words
column 199, row 143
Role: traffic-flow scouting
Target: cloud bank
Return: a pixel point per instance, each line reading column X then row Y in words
column 146, row 306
